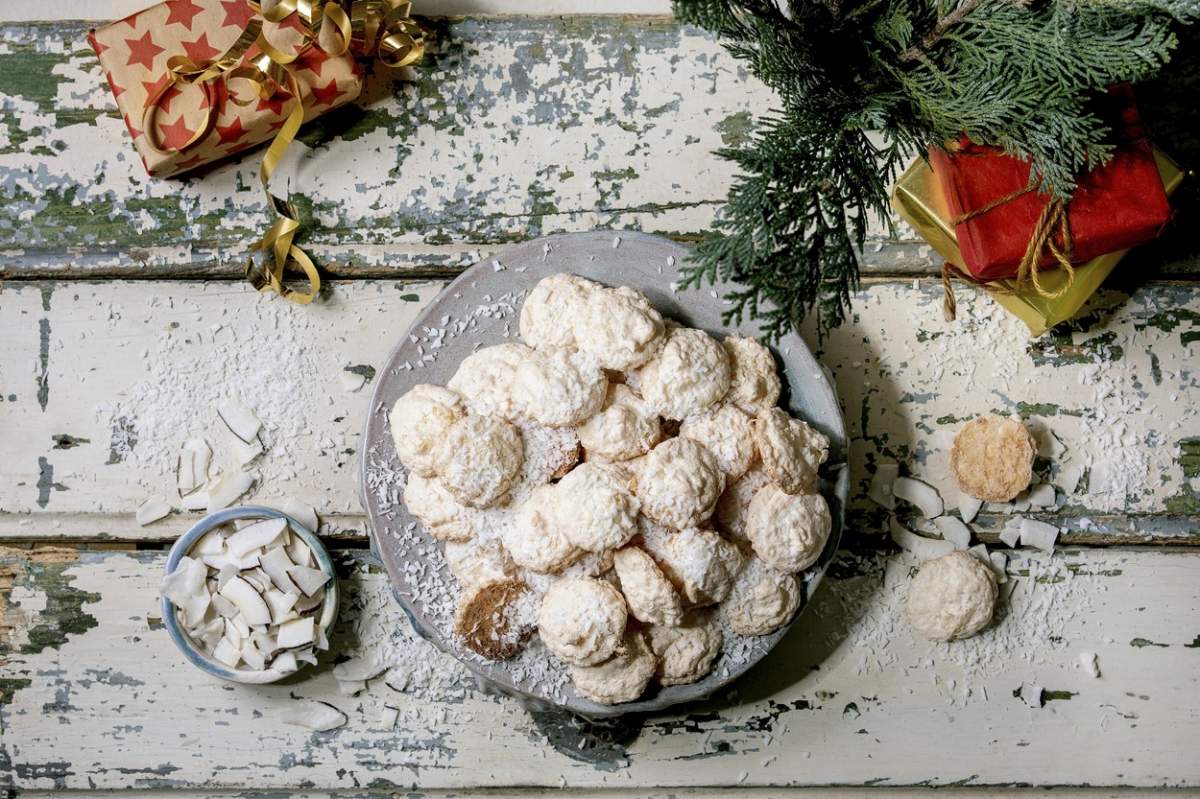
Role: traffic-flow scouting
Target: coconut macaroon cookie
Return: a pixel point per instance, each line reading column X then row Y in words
column 479, row 459
column 559, row 387
column 534, row 538
column 474, row 563
column 485, row 379
column 952, row 597
column 686, row 651
column 625, row 428
column 791, row 450
column 443, row 515
column 762, row 600
column 621, row 678
column 419, row 420
column 679, row 483
column 619, row 327
column 992, row 458
column 689, row 374
column 582, row 620
column 701, row 564
column 788, row 531
column 734, row 505
column 549, row 312
column 651, row 597
column 726, row 432
column 596, row 508
column 755, row 385
column 496, row 619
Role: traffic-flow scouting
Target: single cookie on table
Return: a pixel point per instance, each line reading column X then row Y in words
column 992, row 458
column 559, row 387
column 788, row 531
column 728, row 433
column 651, row 597
column 700, row 563
column 734, row 505
column 440, row 512
column 596, row 508
column 755, row 384
column 582, row 620
column 686, row 651
column 619, row 327
column 549, row 312
column 762, row 600
column 478, row 562
column 688, row 375
column 621, row 678
column 496, row 619
column 678, row 483
column 791, row 451
column 534, row 537
column 479, row 459
column 625, row 428
column 419, row 420
column 952, row 597
column 485, row 379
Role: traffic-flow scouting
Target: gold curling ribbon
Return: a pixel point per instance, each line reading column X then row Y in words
column 384, row 27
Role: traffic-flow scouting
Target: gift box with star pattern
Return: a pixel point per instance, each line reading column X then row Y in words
column 133, row 53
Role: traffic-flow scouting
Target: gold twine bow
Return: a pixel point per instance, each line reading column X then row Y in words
column 382, row 27
column 1053, row 220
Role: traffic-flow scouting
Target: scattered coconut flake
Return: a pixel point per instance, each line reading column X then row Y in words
column 920, row 494
column 228, row 489
column 1000, row 566
column 1090, row 663
column 352, row 381
column 980, row 553
column 388, row 716
column 1069, row 478
column 152, row 510
column 240, row 420
column 192, row 467
column 197, row 500
column 923, row 548
column 882, row 482
column 1040, row 535
column 318, row 716
column 351, row 687
column 1010, row 534
column 1049, row 445
column 968, row 506
column 1042, row 496
column 365, row 667
column 954, row 531
column 1031, row 694
column 245, row 453
column 301, row 512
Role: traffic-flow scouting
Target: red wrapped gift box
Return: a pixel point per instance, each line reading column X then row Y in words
column 134, row 51
column 1115, row 207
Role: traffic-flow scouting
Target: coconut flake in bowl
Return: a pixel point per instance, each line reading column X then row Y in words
column 249, row 595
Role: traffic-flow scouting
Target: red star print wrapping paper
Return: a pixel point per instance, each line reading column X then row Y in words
column 133, row 53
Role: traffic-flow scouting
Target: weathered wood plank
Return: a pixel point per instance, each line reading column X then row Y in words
column 102, row 382
column 513, row 128
column 96, row 697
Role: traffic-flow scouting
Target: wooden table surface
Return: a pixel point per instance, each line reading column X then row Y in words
column 123, row 318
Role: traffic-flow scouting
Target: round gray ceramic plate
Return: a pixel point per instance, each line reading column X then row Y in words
column 486, row 300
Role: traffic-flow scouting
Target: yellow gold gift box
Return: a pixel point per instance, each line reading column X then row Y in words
column 918, row 198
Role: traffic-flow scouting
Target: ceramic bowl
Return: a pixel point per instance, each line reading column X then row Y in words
column 191, row 649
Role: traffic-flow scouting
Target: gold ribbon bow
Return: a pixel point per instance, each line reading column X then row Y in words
column 382, row 27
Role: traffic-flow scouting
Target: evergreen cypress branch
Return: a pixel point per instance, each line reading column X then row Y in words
column 1023, row 76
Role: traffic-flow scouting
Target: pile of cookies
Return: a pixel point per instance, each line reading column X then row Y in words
column 623, row 487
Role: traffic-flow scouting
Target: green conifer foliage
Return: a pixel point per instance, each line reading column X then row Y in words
column 860, row 85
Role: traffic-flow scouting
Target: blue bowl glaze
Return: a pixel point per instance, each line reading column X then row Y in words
column 184, row 544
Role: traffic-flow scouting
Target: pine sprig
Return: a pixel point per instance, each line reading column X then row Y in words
column 1023, row 76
